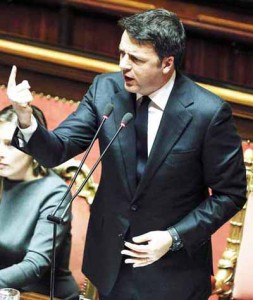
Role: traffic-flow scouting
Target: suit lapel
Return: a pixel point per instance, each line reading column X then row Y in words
column 175, row 119
column 125, row 102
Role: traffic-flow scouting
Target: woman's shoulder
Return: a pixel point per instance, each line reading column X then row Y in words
column 49, row 182
column 54, row 178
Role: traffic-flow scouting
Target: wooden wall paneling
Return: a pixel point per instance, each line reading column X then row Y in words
column 242, row 66
column 225, row 45
column 219, row 43
column 34, row 22
column 219, row 40
column 235, row 5
column 246, row 27
column 117, row 7
column 65, row 30
column 99, row 33
column 198, row 17
column 219, row 61
column 218, row 31
column 65, row 75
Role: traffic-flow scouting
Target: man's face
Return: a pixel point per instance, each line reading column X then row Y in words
column 143, row 72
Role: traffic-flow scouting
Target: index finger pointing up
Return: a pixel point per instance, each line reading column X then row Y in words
column 12, row 78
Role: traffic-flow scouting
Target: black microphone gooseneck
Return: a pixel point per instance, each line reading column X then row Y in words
column 108, row 110
column 125, row 120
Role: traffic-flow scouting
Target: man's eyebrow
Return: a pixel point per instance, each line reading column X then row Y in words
column 132, row 55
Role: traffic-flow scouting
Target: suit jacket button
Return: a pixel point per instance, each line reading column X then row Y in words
column 134, row 207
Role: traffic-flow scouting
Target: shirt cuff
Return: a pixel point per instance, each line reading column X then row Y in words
column 28, row 132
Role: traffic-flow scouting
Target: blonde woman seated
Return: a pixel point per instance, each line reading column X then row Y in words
column 29, row 193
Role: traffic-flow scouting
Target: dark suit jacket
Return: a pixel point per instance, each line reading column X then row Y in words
column 196, row 148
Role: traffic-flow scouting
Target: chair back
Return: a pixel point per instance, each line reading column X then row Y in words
column 80, row 217
column 243, row 280
column 233, row 279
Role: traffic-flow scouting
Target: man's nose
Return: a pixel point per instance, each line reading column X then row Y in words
column 124, row 63
column 2, row 149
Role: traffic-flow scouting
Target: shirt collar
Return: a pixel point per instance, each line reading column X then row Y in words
column 161, row 96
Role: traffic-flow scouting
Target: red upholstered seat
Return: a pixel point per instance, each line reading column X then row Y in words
column 243, row 281
column 234, row 279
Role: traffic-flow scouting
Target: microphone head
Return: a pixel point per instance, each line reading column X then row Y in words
column 108, row 110
column 126, row 119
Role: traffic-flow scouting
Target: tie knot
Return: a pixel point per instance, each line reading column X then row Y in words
column 143, row 103
column 145, row 99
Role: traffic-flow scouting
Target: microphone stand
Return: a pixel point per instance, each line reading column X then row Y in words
column 122, row 125
column 55, row 220
column 59, row 220
column 52, row 275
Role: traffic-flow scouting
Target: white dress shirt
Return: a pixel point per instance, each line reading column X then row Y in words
column 156, row 108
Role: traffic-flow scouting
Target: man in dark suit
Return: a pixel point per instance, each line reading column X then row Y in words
column 152, row 219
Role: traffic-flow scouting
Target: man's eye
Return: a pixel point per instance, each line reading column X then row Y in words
column 135, row 59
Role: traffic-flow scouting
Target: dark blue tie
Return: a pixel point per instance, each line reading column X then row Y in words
column 141, row 127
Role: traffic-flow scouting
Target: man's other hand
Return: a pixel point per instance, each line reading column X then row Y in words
column 147, row 248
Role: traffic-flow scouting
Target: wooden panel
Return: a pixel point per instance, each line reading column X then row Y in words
column 236, row 4
column 33, row 296
column 99, row 35
column 38, row 23
column 219, row 43
column 219, row 35
column 220, row 61
column 70, row 77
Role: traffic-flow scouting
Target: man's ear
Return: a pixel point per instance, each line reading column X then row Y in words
column 168, row 64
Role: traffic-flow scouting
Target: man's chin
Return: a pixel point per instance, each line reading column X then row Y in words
column 131, row 88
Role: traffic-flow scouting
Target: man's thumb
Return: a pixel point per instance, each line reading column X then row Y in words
column 142, row 238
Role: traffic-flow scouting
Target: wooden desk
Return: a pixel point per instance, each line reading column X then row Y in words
column 33, row 296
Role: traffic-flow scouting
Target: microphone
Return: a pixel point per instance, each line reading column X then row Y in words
column 124, row 122
column 108, row 110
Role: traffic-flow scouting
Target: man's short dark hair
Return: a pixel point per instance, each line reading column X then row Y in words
column 160, row 27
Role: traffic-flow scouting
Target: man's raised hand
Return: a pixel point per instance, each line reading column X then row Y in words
column 18, row 93
column 20, row 97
